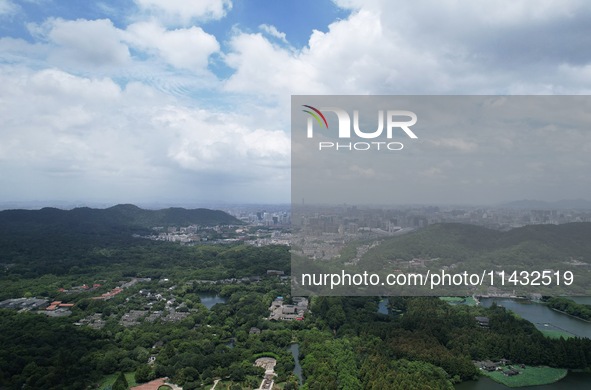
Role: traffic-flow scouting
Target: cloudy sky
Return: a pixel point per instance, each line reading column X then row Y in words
column 477, row 150
column 189, row 101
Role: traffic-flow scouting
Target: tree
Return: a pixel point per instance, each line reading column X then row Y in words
column 290, row 386
column 120, row 383
column 107, row 363
column 144, row 374
column 335, row 317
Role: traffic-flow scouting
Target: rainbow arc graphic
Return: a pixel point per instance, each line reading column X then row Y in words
column 316, row 114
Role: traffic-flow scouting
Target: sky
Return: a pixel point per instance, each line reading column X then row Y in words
column 460, row 150
column 135, row 101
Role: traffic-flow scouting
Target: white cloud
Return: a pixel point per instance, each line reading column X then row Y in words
column 63, row 113
column 54, row 120
column 272, row 31
column 365, row 173
column 355, row 56
column 88, row 43
column 501, row 11
column 14, row 50
column 458, row 144
column 187, row 48
column 268, row 70
column 7, row 7
column 97, row 46
column 128, row 141
column 67, row 88
column 385, row 48
column 183, row 11
column 220, row 142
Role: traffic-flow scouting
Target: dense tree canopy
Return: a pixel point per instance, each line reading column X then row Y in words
column 344, row 342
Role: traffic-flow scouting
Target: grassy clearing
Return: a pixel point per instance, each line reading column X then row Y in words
column 222, row 385
column 529, row 376
column 469, row 301
column 110, row 379
column 556, row 334
column 452, row 299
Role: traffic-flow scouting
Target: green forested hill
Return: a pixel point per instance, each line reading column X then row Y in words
column 121, row 216
column 52, row 240
column 463, row 242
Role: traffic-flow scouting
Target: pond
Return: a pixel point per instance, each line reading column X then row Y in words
column 209, row 300
column 297, row 370
column 383, row 306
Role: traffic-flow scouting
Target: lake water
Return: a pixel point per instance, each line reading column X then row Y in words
column 208, row 300
column 297, row 370
column 383, row 306
column 543, row 318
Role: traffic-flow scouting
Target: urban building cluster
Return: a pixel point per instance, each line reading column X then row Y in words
column 280, row 310
column 270, row 215
column 230, row 234
column 352, row 220
column 321, row 233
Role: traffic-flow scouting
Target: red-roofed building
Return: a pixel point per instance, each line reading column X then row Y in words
column 55, row 304
column 110, row 294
